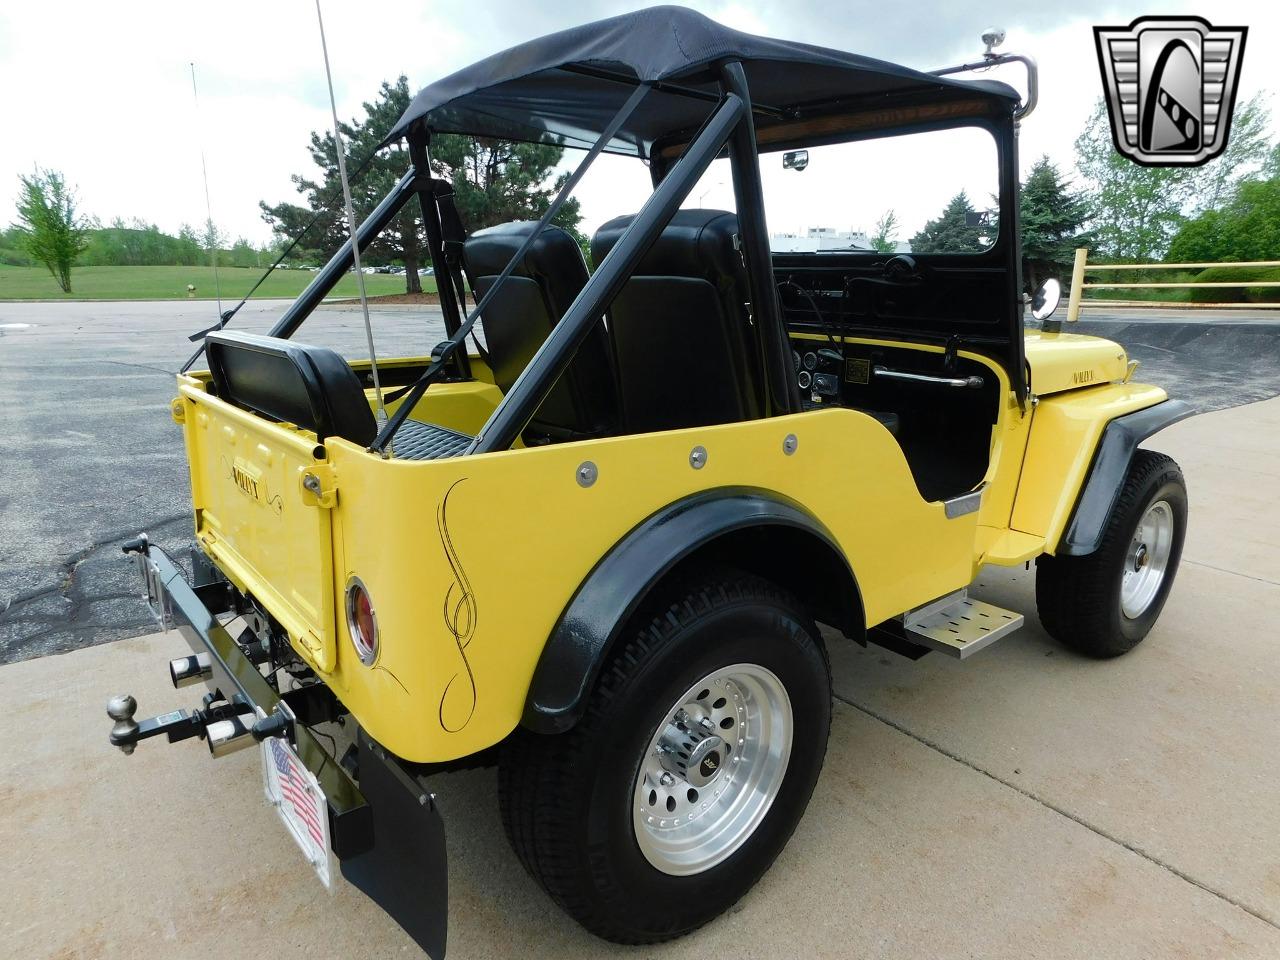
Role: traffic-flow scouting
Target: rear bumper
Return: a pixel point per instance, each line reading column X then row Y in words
column 386, row 830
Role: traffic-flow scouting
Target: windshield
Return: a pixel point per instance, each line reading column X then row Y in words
column 931, row 192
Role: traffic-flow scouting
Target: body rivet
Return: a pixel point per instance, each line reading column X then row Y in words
column 789, row 444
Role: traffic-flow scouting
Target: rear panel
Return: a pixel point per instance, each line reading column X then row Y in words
column 256, row 520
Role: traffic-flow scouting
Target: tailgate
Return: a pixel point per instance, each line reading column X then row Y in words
column 267, row 533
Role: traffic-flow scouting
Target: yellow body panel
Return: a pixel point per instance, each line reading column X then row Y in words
column 252, row 517
column 471, row 561
column 1064, row 436
column 1068, row 361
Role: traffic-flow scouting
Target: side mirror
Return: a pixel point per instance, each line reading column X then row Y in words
column 1046, row 299
column 795, row 160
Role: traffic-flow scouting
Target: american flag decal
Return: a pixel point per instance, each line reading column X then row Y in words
column 296, row 791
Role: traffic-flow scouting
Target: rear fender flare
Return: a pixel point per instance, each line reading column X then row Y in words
column 620, row 582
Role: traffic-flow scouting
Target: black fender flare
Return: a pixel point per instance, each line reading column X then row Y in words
column 615, row 588
column 1120, row 438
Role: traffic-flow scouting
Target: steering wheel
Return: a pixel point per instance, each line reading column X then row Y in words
column 901, row 269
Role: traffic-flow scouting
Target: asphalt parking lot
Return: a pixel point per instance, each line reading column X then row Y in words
column 1025, row 803
column 89, row 456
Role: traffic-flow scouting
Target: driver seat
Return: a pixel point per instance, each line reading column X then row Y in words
column 681, row 326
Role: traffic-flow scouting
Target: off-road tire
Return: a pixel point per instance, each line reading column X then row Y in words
column 1079, row 598
column 567, row 799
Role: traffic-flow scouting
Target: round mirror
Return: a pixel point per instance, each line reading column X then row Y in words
column 1046, row 299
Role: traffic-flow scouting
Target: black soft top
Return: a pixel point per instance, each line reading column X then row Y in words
column 567, row 86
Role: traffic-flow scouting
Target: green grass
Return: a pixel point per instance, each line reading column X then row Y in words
column 170, row 283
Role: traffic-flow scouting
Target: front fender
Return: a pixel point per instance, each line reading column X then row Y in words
column 1115, row 451
column 612, row 592
column 1080, row 446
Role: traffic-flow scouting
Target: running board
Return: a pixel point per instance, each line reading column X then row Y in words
column 957, row 625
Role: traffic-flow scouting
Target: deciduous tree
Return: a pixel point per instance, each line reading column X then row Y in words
column 1138, row 209
column 883, row 240
column 49, row 228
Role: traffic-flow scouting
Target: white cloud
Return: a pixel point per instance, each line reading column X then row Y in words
column 102, row 91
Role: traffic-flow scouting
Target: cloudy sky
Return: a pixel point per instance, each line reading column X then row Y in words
column 102, row 91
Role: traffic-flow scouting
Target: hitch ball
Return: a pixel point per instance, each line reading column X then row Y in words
column 124, row 732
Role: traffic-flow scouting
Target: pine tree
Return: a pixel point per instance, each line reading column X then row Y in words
column 1053, row 218
column 494, row 181
column 953, row 231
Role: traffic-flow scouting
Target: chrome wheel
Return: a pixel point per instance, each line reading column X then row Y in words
column 712, row 769
column 1147, row 560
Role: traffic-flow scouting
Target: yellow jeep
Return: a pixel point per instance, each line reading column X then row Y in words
column 596, row 550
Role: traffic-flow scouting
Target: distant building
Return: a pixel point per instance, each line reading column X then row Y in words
column 819, row 239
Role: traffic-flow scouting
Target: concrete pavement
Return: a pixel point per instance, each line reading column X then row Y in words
column 1027, row 803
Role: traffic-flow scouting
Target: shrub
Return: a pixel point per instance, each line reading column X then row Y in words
column 1237, row 294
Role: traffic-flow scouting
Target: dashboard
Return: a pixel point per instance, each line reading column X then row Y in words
column 818, row 372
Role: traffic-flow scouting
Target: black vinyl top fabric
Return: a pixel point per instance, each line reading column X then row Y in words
column 537, row 91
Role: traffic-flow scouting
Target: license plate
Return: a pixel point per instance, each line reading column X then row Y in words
column 295, row 793
column 156, row 596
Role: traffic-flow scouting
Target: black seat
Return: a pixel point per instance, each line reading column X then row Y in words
column 530, row 303
column 680, row 326
column 313, row 388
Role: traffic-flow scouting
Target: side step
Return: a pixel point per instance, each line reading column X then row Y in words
column 957, row 625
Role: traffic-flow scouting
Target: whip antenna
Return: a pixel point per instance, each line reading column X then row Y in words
column 352, row 225
column 208, row 207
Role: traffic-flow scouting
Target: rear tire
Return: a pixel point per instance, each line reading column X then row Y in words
column 587, row 810
column 1104, row 604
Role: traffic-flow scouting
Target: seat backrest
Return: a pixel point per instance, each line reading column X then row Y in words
column 680, row 326
column 292, row 382
column 528, row 306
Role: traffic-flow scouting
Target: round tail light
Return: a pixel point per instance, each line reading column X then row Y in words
column 362, row 622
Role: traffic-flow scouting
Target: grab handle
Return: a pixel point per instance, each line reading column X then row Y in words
column 973, row 383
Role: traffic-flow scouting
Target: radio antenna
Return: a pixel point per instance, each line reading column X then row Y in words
column 352, row 225
column 208, row 207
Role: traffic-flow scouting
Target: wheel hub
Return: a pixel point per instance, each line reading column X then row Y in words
column 712, row 769
column 1148, row 559
column 689, row 751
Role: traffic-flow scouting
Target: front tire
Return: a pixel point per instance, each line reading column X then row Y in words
column 689, row 770
column 1104, row 604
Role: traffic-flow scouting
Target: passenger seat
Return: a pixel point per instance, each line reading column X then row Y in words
column 584, row 403
column 683, row 344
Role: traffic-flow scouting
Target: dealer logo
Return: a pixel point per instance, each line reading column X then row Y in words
column 1170, row 84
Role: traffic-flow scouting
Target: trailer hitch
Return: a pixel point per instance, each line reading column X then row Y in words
column 226, row 726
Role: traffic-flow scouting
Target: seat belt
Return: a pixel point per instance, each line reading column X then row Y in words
column 453, row 235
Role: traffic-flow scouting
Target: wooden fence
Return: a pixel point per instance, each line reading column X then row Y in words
column 1082, row 267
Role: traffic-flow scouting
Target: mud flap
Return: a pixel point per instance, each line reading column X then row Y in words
column 406, row 870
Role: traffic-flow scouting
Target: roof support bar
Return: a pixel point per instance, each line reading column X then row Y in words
column 557, row 351
column 455, row 342
column 443, row 271
column 748, row 195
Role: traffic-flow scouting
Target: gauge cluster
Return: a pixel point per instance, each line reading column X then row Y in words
column 818, row 375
